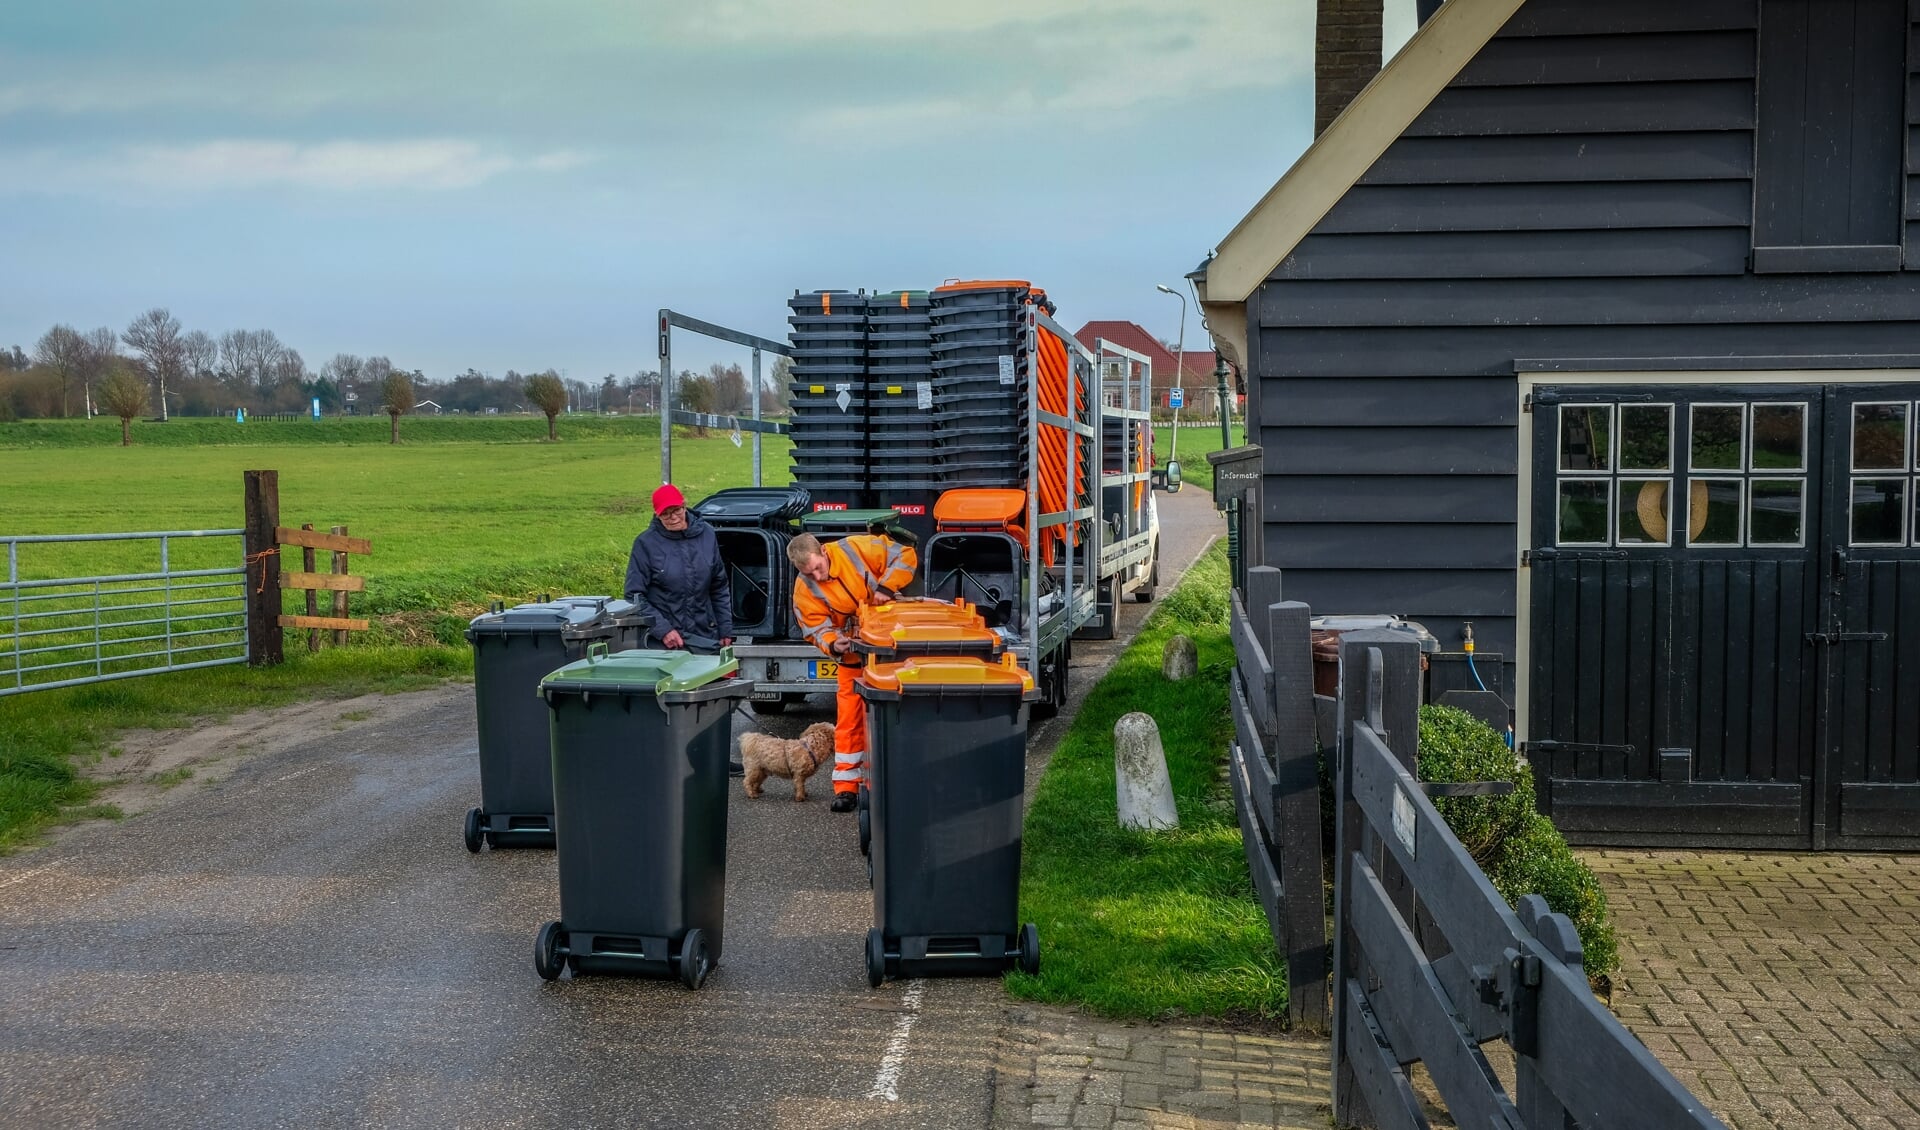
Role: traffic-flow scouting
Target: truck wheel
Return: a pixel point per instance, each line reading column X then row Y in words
column 1144, row 594
column 775, row 706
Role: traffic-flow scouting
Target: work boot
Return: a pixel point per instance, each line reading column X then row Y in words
column 843, row 802
column 735, row 769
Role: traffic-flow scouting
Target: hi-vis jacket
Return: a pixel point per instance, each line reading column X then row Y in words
column 856, row 566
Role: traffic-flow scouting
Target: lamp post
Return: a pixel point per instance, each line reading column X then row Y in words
column 1220, row 376
column 1179, row 366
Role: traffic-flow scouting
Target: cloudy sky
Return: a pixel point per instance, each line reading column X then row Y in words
column 499, row 184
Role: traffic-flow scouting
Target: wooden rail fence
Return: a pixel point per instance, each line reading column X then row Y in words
column 1428, row 962
column 266, row 579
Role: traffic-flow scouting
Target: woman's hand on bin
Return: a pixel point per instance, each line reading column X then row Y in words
column 672, row 640
column 726, row 641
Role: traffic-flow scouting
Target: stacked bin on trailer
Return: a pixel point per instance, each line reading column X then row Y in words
column 902, row 464
column 827, row 396
column 513, row 648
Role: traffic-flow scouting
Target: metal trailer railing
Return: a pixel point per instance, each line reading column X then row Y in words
column 69, row 631
column 669, row 321
column 1129, row 548
column 1079, row 602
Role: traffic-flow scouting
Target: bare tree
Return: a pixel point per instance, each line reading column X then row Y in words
column 124, row 395
column 549, row 395
column 155, row 335
column 396, row 398
column 103, row 352
column 729, row 388
column 199, row 354
column 62, row 352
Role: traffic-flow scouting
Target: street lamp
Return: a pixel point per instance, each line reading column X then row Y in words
column 1179, row 366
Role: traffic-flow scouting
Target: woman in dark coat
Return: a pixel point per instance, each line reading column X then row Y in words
column 677, row 578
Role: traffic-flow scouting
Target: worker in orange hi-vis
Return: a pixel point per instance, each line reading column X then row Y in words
column 836, row 583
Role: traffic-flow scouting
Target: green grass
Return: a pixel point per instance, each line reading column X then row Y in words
column 1192, row 453
column 45, row 734
column 1146, row 925
column 454, row 525
column 221, row 431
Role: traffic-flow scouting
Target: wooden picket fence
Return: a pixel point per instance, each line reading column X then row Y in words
column 336, row 581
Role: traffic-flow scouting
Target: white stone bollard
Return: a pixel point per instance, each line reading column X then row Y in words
column 1180, row 660
column 1144, row 790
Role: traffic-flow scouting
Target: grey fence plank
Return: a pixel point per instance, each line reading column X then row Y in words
column 1381, row 1096
column 1421, row 1025
column 1252, row 744
column 1296, row 760
column 1251, row 658
column 1260, row 866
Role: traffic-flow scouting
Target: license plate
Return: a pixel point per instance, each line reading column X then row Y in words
column 823, row 669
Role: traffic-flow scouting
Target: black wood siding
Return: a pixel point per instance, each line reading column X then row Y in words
column 1583, row 189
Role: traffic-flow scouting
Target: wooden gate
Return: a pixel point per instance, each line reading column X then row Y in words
column 1717, row 629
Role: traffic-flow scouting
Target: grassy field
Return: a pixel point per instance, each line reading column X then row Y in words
column 1146, row 925
column 1193, row 448
column 463, row 512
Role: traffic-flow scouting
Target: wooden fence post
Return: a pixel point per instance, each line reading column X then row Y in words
column 340, row 595
column 1538, row 1106
column 1297, row 807
column 1398, row 674
column 1263, row 590
column 313, row 603
column 262, row 579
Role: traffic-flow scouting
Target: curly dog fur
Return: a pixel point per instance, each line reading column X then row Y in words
column 795, row 759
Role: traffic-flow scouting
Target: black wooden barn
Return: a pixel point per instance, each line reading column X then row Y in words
column 1598, row 325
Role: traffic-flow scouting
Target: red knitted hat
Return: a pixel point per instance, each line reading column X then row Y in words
column 667, row 497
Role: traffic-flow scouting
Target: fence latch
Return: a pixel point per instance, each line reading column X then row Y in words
column 1513, row 989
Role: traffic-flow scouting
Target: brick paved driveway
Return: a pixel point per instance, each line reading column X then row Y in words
column 1783, row 989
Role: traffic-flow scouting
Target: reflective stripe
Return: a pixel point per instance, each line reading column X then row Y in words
column 859, row 563
column 895, row 551
column 848, row 775
column 819, row 633
column 849, row 758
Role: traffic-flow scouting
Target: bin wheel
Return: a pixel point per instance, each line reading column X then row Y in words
column 473, row 834
column 694, row 962
column 549, row 951
column 876, row 958
column 1030, row 949
column 869, row 872
column 775, row 706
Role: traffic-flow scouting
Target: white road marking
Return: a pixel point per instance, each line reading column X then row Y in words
column 886, row 1084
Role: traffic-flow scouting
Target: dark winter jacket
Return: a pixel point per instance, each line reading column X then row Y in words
column 679, row 581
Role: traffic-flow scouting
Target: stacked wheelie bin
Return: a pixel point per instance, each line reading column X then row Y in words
column 639, row 753
column 827, row 395
column 513, row 648
column 941, row 814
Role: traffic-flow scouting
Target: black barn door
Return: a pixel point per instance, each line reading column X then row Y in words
column 1870, row 790
column 1675, row 578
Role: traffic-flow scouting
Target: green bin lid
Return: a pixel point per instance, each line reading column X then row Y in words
column 643, row 669
column 838, row 520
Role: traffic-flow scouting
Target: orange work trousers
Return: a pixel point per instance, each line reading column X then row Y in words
column 849, row 733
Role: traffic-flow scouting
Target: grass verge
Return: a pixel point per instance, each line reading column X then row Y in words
column 44, row 735
column 1150, row 925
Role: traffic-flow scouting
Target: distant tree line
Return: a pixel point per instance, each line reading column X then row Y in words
column 194, row 373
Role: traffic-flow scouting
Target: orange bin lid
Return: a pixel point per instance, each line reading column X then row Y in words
column 985, row 506
column 982, row 284
column 929, row 674
column 927, row 625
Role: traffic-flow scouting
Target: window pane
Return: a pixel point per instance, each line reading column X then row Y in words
column 1646, row 437
column 1775, row 510
column 1879, row 512
column 1718, row 431
column 1644, row 511
column 1586, row 435
column 1713, row 511
column 1779, row 437
column 1583, row 511
column 1879, row 437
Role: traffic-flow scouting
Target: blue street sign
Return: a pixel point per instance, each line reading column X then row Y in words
column 316, row 408
column 1176, row 398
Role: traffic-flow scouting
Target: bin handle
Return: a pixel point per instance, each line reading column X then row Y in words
column 596, row 651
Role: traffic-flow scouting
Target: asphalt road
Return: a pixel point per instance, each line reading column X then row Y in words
column 306, row 943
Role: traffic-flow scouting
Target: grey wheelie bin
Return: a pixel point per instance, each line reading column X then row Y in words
column 513, row 648
column 947, row 738
column 640, row 807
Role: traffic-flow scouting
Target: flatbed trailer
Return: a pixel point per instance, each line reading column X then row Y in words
column 1109, row 540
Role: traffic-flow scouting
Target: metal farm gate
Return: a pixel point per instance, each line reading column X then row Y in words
column 1723, row 603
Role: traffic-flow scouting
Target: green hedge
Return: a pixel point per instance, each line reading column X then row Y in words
column 1519, row 848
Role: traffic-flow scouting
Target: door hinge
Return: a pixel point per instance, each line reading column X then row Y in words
column 1526, row 559
column 1526, row 403
column 1845, row 637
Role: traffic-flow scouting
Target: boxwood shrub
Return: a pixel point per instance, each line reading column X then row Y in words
column 1519, row 848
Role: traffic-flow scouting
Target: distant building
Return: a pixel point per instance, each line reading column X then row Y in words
column 1192, row 372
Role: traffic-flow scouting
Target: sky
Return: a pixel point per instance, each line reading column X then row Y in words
column 502, row 185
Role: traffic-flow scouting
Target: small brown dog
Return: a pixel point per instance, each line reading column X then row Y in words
column 795, row 759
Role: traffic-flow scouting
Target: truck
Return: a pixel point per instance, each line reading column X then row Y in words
column 1047, row 561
